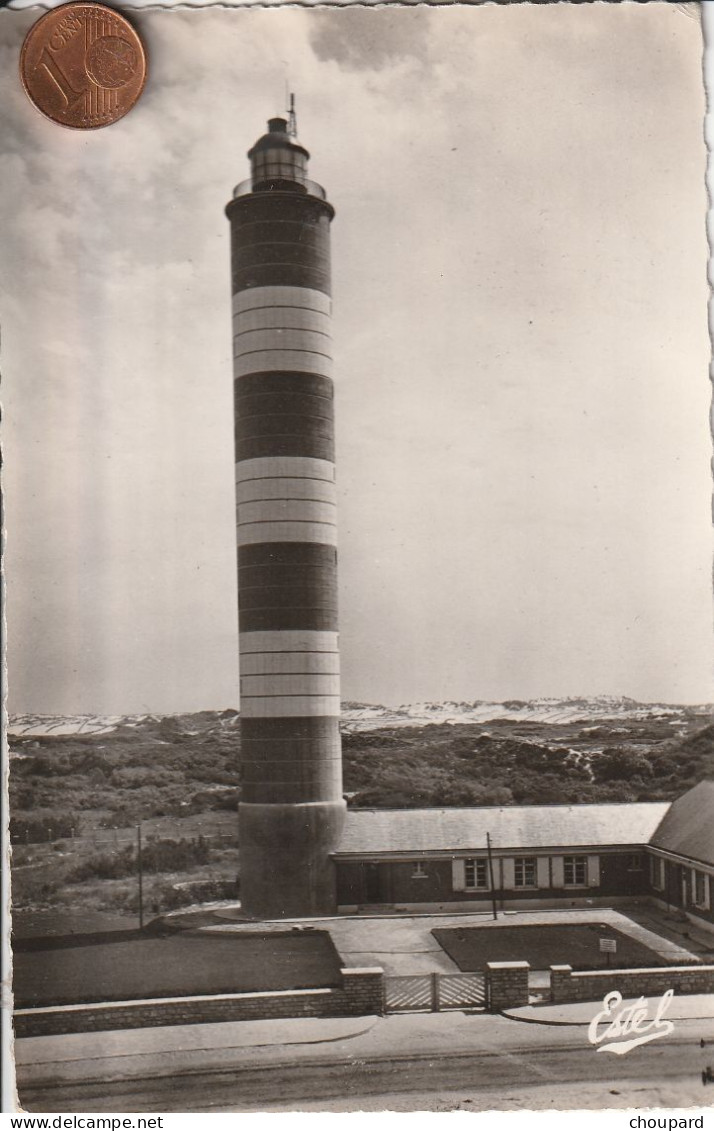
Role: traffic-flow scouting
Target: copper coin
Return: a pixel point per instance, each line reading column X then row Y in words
column 83, row 65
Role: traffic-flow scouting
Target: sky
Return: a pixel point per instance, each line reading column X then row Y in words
column 520, row 330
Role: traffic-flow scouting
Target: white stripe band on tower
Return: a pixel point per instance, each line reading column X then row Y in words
column 252, row 533
column 305, row 297
column 288, row 640
column 269, row 684
column 290, row 663
column 295, row 361
column 307, row 490
column 290, row 706
column 287, row 338
column 286, row 510
column 279, row 318
column 288, row 467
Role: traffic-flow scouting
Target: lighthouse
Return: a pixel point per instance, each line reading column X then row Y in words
column 292, row 810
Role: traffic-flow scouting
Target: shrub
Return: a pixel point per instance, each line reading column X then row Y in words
column 156, row 856
column 39, row 827
column 620, row 764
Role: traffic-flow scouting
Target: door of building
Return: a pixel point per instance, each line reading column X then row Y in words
column 374, row 885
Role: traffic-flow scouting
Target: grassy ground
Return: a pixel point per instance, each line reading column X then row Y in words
column 45, row 879
column 137, row 966
column 543, row 946
column 45, row 924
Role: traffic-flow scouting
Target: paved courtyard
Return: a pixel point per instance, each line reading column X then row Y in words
column 404, row 944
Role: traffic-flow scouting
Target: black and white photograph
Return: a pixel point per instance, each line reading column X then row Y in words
column 359, row 641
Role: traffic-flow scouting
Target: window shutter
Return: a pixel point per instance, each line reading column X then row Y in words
column 558, row 872
column 497, row 874
column 593, row 871
column 508, row 873
column 458, row 875
column 707, row 892
column 658, row 874
column 542, row 872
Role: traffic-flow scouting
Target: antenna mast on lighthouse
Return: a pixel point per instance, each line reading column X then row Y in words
column 292, row 117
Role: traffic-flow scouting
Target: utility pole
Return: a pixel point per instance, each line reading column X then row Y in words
column 490, row 874
column 141, row 877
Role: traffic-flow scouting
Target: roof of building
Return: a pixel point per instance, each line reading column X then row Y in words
column 376, row 831
column 688, row 826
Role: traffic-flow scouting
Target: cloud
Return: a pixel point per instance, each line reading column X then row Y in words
column 519, row 335
column 369, row 40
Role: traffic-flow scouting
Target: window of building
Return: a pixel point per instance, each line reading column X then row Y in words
column 420, row 871
column 575, row 869
column 476, row 873
column 525, row 871
column 700, row 889
column 634, row 862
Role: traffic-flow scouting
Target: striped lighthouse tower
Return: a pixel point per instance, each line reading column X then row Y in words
column 291, row 811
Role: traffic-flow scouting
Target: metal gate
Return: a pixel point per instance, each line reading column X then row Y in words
column 431, row 993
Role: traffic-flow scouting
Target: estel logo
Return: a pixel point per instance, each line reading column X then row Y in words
column 628, row 1027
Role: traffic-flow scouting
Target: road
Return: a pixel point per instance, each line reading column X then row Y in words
column 530, row 1066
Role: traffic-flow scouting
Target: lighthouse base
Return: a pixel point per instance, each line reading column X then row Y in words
column 286, row 869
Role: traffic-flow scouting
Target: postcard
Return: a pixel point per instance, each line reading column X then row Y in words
column 358, row 559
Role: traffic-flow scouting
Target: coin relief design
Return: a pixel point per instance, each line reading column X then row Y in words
column 83, row 65
column 111, row 62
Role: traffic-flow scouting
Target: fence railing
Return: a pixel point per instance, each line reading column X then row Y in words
column 304, row 186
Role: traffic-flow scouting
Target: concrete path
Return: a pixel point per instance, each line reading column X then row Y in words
column 165, row 1050
column 683, row 1008
column 174, row 1050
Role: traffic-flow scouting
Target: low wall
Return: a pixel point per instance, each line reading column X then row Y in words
column 567, row 985
column 506, row 985
column 361, row 993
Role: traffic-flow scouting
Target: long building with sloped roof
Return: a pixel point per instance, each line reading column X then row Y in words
column 531, row 856
column 681, row 854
